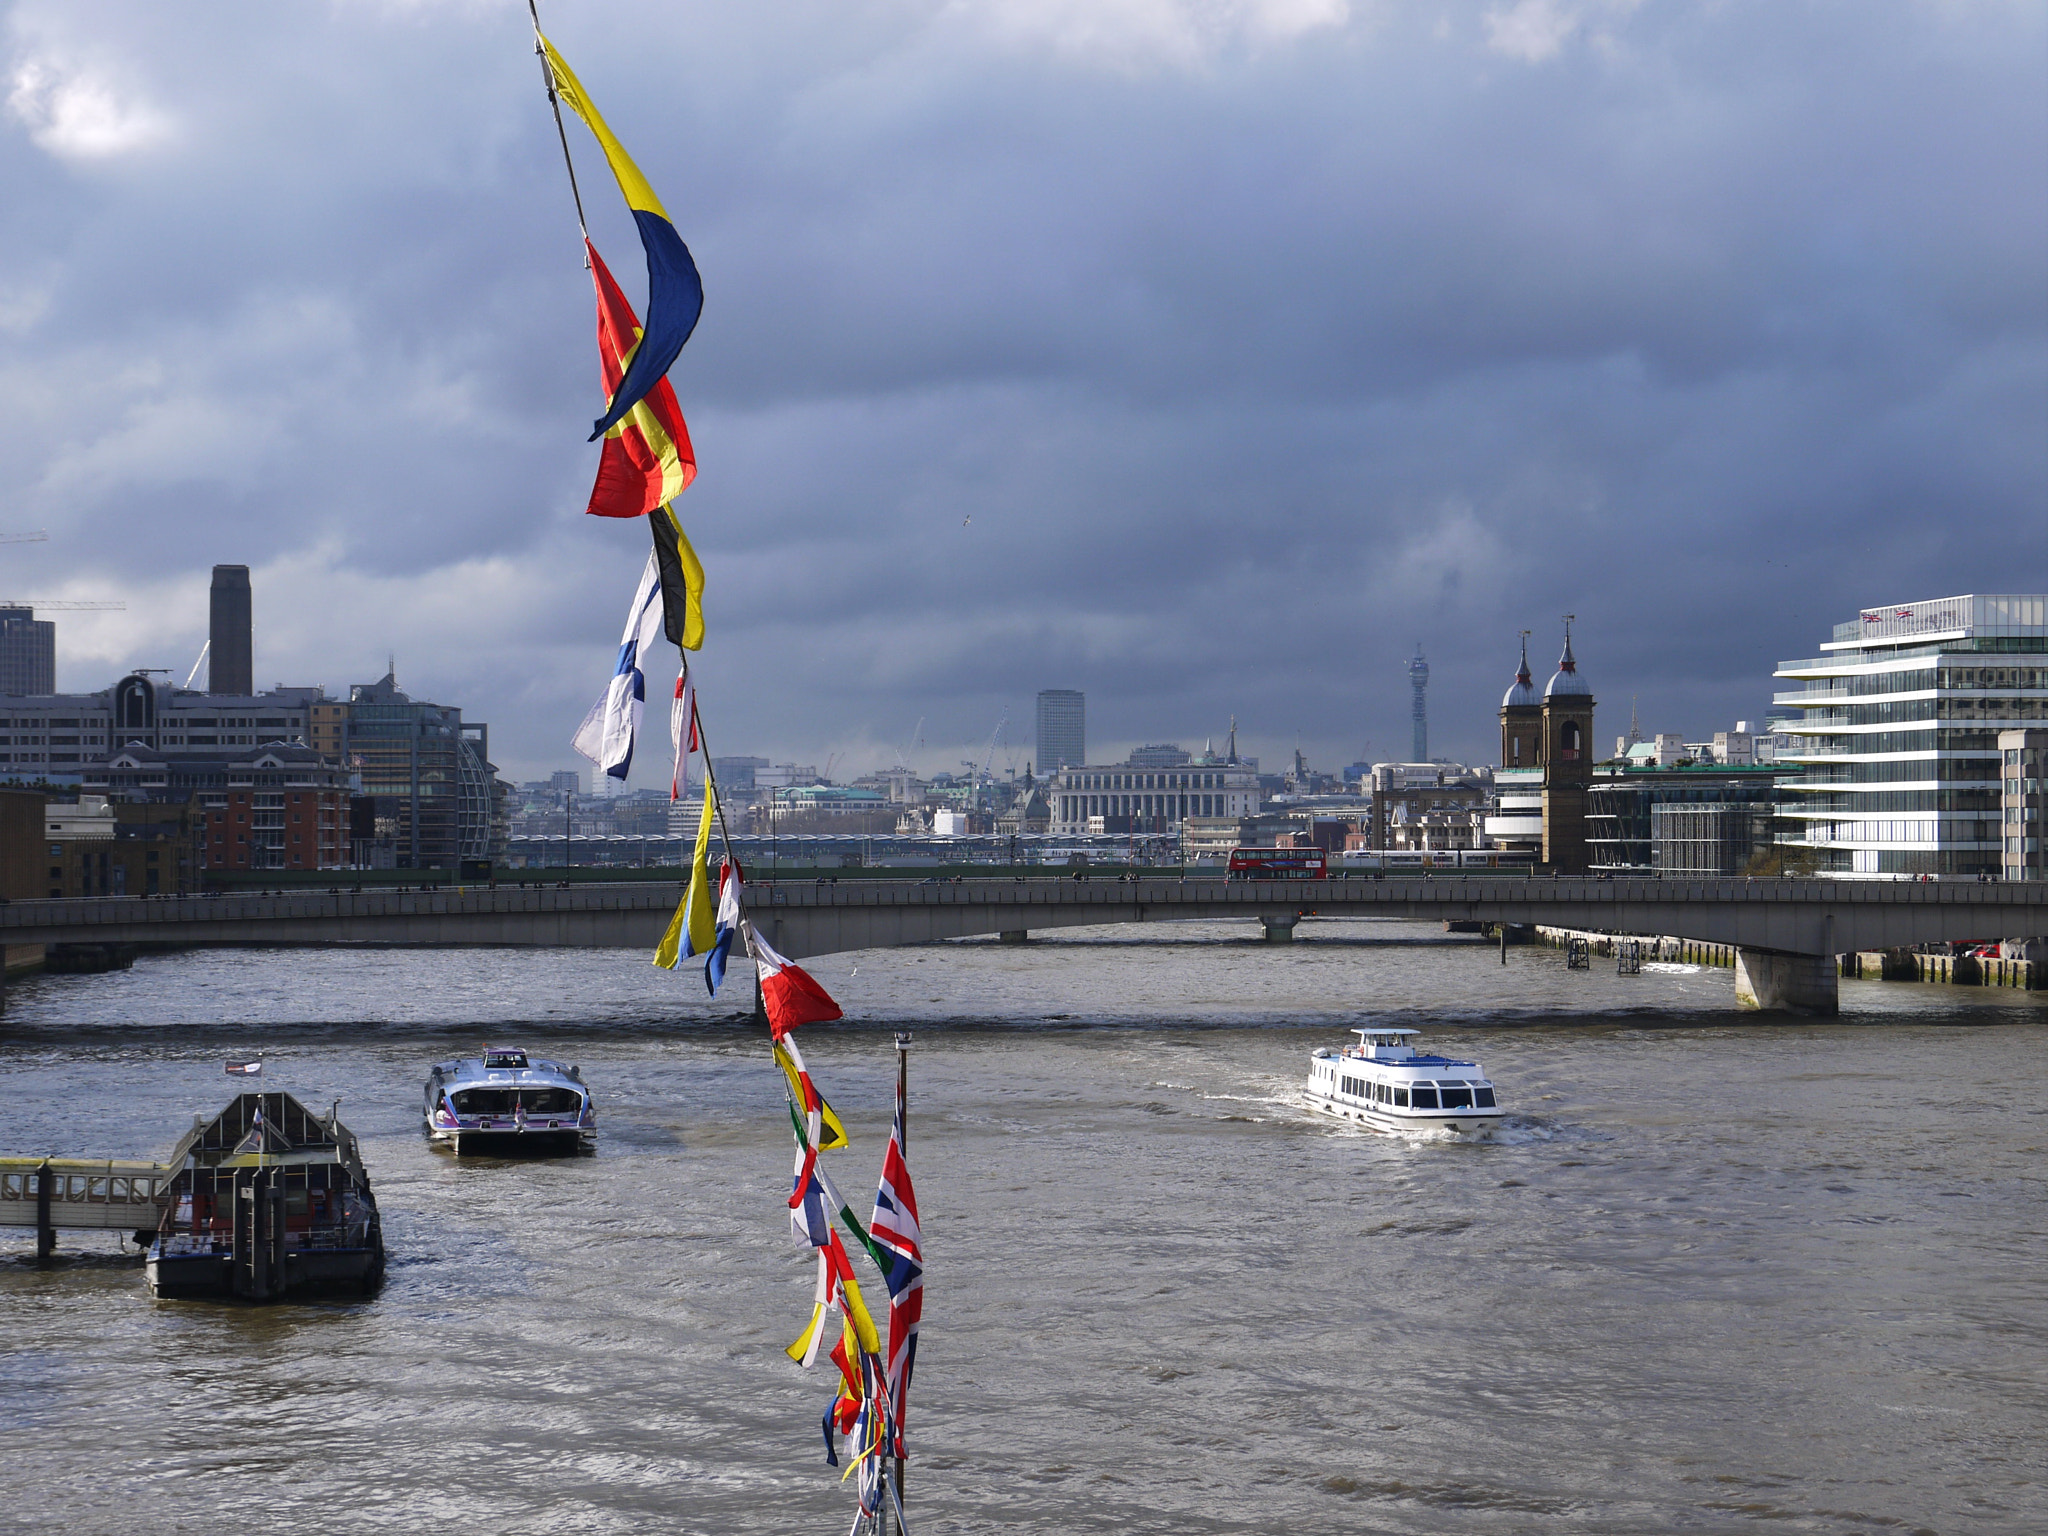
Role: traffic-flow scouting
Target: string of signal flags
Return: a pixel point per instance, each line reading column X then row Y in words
column 645, row 464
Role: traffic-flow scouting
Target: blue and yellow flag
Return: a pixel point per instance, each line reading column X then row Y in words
column 695, row 919
column 675, row 293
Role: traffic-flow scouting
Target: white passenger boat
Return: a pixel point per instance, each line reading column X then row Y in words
column 507, row 1101
column 1383, row 1082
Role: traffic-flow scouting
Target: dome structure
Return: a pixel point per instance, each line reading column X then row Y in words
column 1523, row 694
column 1565, row 682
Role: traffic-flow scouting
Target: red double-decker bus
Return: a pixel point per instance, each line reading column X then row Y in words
column 1279, row 864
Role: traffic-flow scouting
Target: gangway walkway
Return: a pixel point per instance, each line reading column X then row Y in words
column 100, row 1194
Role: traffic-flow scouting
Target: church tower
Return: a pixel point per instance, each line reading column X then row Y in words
column 1565, row 749
column 1521, row 717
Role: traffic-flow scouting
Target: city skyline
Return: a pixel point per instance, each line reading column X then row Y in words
column 1595, row 342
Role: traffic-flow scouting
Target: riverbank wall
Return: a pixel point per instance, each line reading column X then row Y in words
column 1866, row 965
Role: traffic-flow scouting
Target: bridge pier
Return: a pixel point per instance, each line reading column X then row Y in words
column 1279, row 926
column 1015, row 936
column 1777, row 983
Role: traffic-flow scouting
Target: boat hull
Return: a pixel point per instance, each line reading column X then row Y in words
column 308, row 1273
column 1463, row 1121
column 557, row 1142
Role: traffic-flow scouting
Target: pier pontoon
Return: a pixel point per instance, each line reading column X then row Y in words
column 266, row 1201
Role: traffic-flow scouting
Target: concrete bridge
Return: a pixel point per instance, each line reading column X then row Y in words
column 1787, row 931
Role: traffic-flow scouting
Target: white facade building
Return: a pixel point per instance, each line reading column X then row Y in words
column 1117, row 797
column 1902, row 715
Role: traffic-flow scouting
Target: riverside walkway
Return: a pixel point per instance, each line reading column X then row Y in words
column 1786, row 930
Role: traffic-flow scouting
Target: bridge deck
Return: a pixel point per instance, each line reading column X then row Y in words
column 812, row 917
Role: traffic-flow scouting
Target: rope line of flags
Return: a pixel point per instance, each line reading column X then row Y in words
column 646, row 462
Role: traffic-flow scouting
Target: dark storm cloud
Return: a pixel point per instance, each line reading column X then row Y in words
column 1258, row 341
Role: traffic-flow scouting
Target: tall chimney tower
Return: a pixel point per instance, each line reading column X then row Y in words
column 230, row 666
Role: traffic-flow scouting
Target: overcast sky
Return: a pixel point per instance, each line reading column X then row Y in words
column 1205, row 355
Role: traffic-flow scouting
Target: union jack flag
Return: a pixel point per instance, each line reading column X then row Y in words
column 894, row 1228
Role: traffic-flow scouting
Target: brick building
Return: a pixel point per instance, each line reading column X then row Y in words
column 280, row 807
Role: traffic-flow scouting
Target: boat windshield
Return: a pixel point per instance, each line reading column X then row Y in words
column 505, row 1101
column 504, row 1061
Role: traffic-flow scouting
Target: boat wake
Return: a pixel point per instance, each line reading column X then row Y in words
column 1669, row 968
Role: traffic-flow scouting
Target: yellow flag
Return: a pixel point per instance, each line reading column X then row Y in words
column 863, row 1325
column 802, row 1351
column 834, row 1134
column 696, row 916
column 682, row 579
column 639, row 195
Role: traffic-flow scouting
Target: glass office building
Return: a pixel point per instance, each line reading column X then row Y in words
column 1899, row 736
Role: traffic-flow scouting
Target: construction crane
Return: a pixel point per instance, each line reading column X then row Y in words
column 987, row 758
column 38, row 537
column 36, row 602
column 903, row 752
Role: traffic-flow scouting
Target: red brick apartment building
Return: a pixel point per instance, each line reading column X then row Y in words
column 282, row 807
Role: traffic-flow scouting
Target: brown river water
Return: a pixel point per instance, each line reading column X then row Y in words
column 1715, row 1274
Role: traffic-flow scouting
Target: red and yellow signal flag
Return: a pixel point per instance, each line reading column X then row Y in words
column 647, row 459
column 675, row 291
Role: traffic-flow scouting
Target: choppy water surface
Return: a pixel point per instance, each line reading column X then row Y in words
column 1715, row 1275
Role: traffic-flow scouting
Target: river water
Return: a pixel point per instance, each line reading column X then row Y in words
column 1715, row 1275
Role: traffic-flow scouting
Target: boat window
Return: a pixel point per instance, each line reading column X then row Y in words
column 1425, row 1096
column 1401, row 1098
column 485, row 1101
column 550, row 1101
column 1457, row 1095
column 1482, row 1096
column 505, row 1060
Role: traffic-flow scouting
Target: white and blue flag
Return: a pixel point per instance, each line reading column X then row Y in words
column 608, row 732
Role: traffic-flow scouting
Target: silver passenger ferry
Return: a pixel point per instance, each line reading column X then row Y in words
column 505, row 1101
column 1384, row 1082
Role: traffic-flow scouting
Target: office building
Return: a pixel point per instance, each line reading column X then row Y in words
column 1899, row 735
column 1062, row 730
column 2023, row 804
column 1425, row 806
column 1161, row 755
column 28, row 652
column 436, row 795
column 1702, row 819
column 55, row 736
column 230, row 636
column 1124, row 798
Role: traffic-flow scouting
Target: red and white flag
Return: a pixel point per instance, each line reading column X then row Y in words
column 682, row 728
column 788, row 993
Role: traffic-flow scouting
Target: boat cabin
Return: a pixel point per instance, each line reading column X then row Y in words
column 1385, row 1080
column 266, row 1199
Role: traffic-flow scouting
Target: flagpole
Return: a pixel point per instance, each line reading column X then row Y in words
column 547, row 71
column 903, row 1146
column 710, row 783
